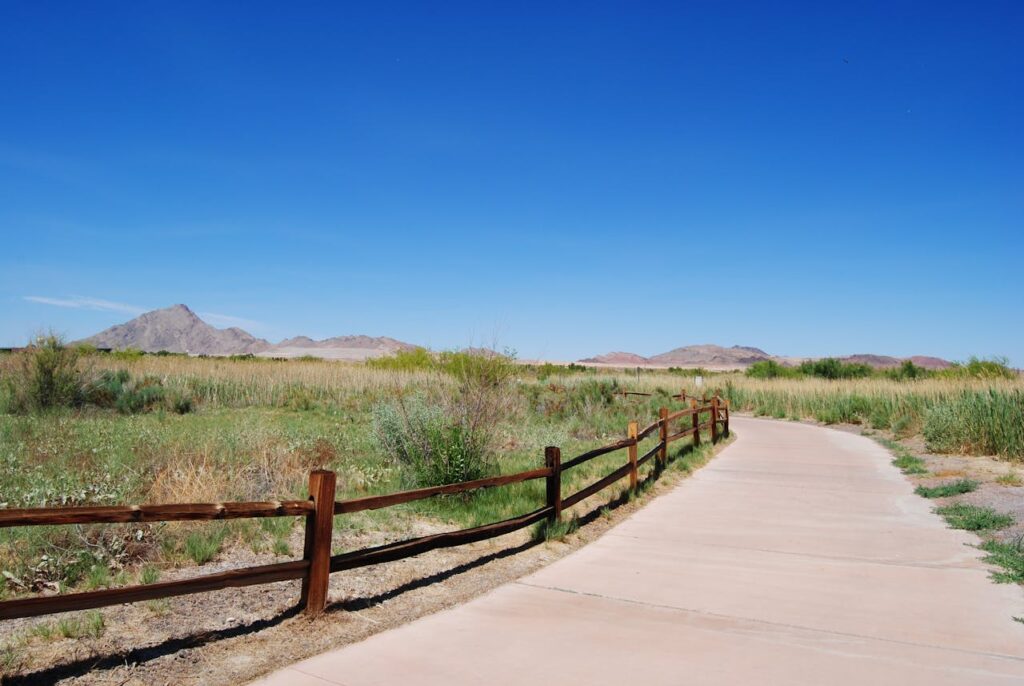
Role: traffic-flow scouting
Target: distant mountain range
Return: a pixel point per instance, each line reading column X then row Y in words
column 716, row 357
column 178, row 329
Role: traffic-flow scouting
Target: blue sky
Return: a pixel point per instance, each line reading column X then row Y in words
column 810, row 178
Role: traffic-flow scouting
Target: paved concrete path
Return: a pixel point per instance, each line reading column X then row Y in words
column 798, row 556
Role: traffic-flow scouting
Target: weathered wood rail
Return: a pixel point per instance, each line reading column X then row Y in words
column 320, row 508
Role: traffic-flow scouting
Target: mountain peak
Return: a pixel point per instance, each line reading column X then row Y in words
column 177, row 329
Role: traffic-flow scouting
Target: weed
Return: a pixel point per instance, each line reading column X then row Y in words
column 947, row 489
column 554, row 531
column 1009, row 556
column 974, row 517
column 149, row 575
column 1011, row 478
column 202, row 545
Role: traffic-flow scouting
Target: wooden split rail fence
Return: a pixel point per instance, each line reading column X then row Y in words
column 319, row 509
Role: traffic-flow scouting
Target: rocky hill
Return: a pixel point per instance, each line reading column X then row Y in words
column 177, row 329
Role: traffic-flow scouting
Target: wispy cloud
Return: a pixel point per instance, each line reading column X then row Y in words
column 79, row 302
column 229, row 320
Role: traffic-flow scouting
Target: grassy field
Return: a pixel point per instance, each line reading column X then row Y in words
column 150, row 429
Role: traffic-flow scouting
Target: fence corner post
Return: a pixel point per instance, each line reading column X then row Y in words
column 319, row 529
column 632, row 430
column 663, row 436
column 714, row 418
column 726, row 427
column 553, row 461
column 696, row 422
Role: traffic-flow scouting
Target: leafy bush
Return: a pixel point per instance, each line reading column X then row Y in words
column 974, row 517
column 117, row 389
column 433, row 444
column 982, row 368
column 770, row 369
column 44, row 376
column 417, row 359
column 906, row 372
column 831, row 368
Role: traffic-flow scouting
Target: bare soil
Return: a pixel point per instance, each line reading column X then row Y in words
column 235, row 635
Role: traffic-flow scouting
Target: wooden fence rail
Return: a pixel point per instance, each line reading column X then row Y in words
column 317, row 563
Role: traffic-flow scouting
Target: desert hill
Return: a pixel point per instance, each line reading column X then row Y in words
column 177, row 329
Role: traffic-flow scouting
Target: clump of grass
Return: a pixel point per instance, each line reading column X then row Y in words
column 974, row 517
column 1009, row 556
column 947, row 489
column 202, row 545
column 548, row 530
column 88, row 625
column 149, row 575
column 1011, row 478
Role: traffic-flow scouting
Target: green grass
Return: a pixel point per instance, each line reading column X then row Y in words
column 202, row 545
column 974, row 517
column 554, row 531
column 946, row 490
column 978, row 422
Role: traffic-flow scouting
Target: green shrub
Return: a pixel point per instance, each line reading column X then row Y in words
column 770, row 369
column 417, row 359
column 981, row 368
column 45, row 376
column 1009, row 556
column 433, row 444
column 974, row 517
column 831, row 368
column 947, row 489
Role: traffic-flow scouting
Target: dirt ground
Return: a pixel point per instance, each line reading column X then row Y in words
column 235, row 635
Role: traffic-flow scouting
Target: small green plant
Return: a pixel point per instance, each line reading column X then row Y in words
column 905, row 461
column 1009, row 556
column 149, row 575
column 98, row 576
column 202, row 545
column 89, row 625
column 974, row 517
column 281, row 547
column 947, row 489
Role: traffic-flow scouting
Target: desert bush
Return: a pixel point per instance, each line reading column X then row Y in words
column 831, row 368
column 770, row 369
column 117, row 389
column 434, row 443
column 417, row 359
column 982, row 368
column 43, row 376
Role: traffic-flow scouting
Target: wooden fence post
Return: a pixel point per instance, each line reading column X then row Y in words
column 726, row 432
column 632, row 431
column 663, row 435
column 714, row 418
column 319, row 526
column 553, row 460
column 696, row 422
